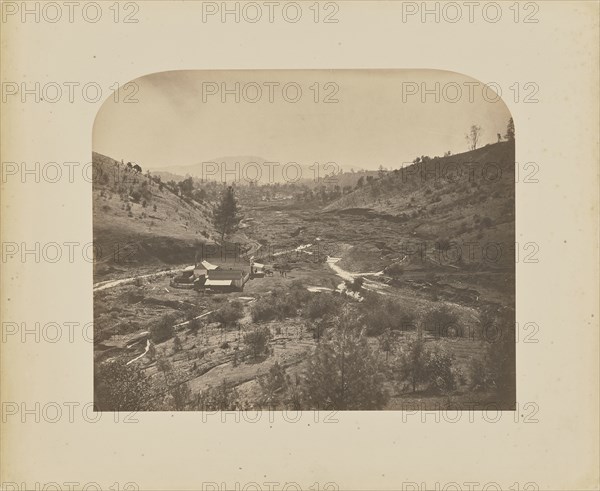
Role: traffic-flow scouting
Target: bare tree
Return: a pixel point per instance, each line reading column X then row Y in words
column 473, row 137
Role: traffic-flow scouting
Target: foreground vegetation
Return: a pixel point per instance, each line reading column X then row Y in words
column 422, row 326
column 349, row 355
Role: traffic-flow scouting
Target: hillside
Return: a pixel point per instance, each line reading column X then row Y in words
column 139, row 221
column 464, row 201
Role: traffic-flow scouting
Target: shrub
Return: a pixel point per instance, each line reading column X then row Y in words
column 176, row 344
column 174, row 381
column 229, row 314
column 394, row 269
column 263, row 311
column 120, row 387
column 412, row 361
column 257, row 343
column 273, row 386
column 279, row 305
column 163, row 329
column 380, row 314
column 432, row 367
column 193, row 324
column 222, row 398
column 496, row 369
column 442, row 321
column 322, row 305
column 439, row 370
column 298, row 293
column 386, row 343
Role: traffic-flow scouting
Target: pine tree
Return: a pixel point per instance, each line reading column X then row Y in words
column 343, row 372
column 386, row 343
column 413, row 361
column 152, row 351
column 226, row 213
column 273, row 386
column 176, row 344
column 510, row 130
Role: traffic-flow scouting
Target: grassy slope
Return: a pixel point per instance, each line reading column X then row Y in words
column 476, row 207
column 142, row 235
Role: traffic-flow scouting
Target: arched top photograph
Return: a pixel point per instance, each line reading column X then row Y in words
column 304, row 239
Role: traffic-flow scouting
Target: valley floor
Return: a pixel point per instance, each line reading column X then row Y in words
column 128, row 303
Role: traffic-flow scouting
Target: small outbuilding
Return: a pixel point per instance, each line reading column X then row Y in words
column 226, row 279
column 257, row 270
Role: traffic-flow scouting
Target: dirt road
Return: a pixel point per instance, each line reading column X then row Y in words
column 103, row 285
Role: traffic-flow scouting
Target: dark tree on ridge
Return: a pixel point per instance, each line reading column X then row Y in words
column 226, row 213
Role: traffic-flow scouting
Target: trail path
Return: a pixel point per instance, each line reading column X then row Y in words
column 143, row 354
column 103, row 285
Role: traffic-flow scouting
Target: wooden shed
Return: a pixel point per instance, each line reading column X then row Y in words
column 226, row 279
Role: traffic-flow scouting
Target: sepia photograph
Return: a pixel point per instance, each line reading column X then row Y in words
column 304, row 239
column 303, row 245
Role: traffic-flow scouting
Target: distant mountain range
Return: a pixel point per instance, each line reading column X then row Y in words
column 244, row 169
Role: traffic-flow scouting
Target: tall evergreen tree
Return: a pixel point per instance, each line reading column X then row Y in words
column 226, row 213
column 510, row 130
column 343, row 373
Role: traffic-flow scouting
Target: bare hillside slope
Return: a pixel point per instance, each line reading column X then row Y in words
column 461, row 206
column 138, row 220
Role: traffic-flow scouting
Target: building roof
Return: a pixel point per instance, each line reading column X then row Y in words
column 218, row 282
column 208, row 266
column 225, row 274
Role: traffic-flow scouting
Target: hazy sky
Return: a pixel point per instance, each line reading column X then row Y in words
column 380, row 117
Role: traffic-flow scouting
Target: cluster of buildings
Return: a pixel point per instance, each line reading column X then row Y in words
column 207, row 276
